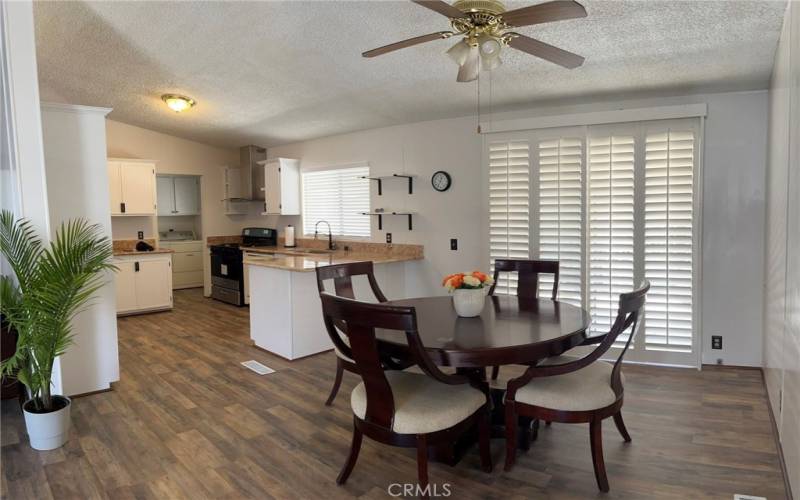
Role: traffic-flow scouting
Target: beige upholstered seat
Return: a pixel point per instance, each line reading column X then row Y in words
column 586, row 389
column 422, row 404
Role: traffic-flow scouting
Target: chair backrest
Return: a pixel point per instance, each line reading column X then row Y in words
column 342, row 275
column 528, row 272
column 362, row 319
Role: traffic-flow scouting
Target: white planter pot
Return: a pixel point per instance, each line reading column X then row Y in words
column 469, row 302
column 48, row 431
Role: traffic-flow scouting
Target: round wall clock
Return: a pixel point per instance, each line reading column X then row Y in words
column 441, row 181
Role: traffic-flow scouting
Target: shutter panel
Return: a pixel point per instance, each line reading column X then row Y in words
column 338, row 196
column 560, row 215
column 611, row 213
column 509, row 200
column 669, row 166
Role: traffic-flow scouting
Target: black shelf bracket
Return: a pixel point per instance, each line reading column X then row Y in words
column 381, row 214
column 379, row 180
column 410, row 182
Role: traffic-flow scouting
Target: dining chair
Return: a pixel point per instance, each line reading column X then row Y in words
column 402, row 408
column 577, row 390
column 528, row 272
column 342, row 276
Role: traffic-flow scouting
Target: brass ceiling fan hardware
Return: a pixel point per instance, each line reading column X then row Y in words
column 484, row 26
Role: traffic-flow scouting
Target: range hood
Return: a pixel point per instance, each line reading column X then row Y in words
column 250, row 185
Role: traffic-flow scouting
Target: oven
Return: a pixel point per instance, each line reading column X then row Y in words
column 227, row 269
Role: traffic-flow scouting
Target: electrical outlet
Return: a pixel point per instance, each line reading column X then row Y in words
column 453, row 244
column 140, row 235
column 716, row 341
column 388, row 237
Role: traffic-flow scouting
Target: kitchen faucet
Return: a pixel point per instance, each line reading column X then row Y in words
column 331, row 246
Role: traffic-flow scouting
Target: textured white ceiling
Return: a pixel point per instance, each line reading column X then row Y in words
column 275, row 72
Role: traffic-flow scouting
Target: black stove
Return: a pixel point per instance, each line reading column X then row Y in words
column 227, row 270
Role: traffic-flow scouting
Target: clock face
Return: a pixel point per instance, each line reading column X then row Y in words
column 441, row 181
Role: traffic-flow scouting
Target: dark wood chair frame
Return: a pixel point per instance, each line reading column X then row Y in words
column 342, row 275
column 362, row 319
column 528, row 272
column 630, row 306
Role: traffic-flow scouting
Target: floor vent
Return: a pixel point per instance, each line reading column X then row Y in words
column 747, row 497
column 264, row 370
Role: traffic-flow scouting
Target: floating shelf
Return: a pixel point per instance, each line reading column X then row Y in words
column 381, row 214
column 381, row 178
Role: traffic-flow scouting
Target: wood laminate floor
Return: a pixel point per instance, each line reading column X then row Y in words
column 187, row 421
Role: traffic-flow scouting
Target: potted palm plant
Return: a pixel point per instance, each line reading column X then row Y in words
column 48, row 287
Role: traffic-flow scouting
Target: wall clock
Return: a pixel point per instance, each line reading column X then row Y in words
column 441, row 181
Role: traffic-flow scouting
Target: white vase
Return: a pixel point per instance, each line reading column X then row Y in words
column 48, row 431
column 469, row 302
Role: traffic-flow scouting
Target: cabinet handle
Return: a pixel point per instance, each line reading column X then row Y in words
column 136, row 267
column 122, row 207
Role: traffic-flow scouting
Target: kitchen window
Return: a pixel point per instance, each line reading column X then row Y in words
column 339, row 196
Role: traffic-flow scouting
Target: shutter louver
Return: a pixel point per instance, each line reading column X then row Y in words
column 669, row 166
column 561, row 216
column 338, row 196
column 509, row 186
column 611, row 226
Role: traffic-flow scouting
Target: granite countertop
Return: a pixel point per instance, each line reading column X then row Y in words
column 299, row 260
column 121, row 253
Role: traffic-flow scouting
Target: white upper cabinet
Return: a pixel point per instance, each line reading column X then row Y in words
column 281, row 186
column 132, row 187
column 178, row 195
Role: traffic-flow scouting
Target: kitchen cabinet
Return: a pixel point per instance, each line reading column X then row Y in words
column 187, row 263
column 178, row 195
column 132, row 187
column 281, row 186
column 143, row 283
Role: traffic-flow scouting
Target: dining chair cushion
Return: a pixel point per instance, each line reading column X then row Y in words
column 422, row 404
column 341, row 355
column 586, row 389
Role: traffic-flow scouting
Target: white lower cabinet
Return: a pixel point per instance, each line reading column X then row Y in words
column 187, row 263
column 143, row 283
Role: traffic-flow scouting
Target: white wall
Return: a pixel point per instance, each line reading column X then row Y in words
column 77, row 180
column 735, row 156
column 782, row 265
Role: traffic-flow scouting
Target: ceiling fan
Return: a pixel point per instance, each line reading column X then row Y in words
column 485, row 26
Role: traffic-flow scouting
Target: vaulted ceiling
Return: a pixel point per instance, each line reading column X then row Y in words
column 275, row 72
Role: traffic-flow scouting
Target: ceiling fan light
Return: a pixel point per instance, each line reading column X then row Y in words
column 471, row 68
column 459, row 52
column 490, row 63
column 490, row 46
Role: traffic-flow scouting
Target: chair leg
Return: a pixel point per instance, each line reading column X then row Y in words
column 495, row 372
column 422, row 464
column 484, row 432
column 336, row 382
column 621, row 426
column 511, row 435
column 596, row 440
column 355, row 447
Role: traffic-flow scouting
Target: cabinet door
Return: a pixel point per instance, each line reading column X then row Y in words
column 115, row 187
column 138, row 188
column 154, row 284
column 272, row 188
column 290, row 187
column 125, row 285
column 165, row 194
column 187, row 196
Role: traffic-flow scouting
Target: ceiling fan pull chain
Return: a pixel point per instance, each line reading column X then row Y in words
column 478, row 80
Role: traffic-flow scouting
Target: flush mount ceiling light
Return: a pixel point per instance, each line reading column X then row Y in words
column 178, row 103
column 485, row 25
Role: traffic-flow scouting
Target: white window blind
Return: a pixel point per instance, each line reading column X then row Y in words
column 611, row 226
column 338, row 196
column 669, row 166
column 561, row 215
column 509, row 205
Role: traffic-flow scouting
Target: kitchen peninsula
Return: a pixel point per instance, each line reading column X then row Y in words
column 285, row 316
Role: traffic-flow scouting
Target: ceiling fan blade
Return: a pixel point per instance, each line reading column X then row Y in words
column 545, row 51
column 441, row 7
column 544, row 13
column 407, row 43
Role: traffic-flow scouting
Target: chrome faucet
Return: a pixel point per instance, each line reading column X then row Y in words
column 331, row 246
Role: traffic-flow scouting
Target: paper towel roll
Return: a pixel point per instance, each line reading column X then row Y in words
column 288, row 237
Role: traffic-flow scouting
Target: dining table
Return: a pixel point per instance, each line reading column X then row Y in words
column 509, row 331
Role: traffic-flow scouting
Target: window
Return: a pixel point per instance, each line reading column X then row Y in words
column 614, row 204
column 338, row 196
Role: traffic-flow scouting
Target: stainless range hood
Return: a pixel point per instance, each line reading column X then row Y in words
column 251, row 174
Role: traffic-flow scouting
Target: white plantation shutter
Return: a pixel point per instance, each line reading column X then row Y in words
column 669, row 166
column 561, row 215
column 611, row 225
column 509, row 205
column 338, row 196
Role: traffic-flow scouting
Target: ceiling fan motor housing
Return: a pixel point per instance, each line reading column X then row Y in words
column 489, row 6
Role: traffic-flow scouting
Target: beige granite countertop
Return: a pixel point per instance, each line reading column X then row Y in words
column 122, row 253
column 296, row 260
